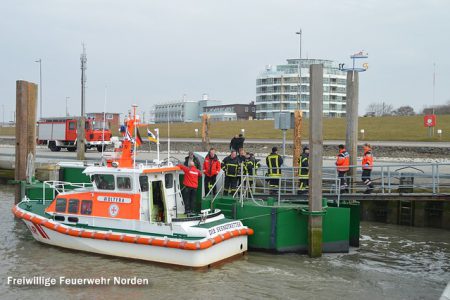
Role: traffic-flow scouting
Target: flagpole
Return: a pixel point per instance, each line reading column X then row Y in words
column 168, row 135
column 104, row 124
column 135, row 135
column 157, row 144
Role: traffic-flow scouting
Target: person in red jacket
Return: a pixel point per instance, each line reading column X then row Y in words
column 211, row 167
column 190, row 182
column 343, row 166
column 367, row 165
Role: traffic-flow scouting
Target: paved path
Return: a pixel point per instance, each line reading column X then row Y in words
column 43, row 154
column 289, row 141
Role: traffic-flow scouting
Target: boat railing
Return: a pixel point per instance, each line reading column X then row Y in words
column 61, row 187
column 219, row 178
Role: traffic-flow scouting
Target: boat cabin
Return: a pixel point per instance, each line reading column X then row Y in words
column 145, row 193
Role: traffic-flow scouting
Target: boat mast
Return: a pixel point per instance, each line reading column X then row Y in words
column 157, row 143
column 168, row 134
column 135, row 135
column 104, row 123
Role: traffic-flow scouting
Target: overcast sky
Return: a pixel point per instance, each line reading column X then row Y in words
column 147, row 52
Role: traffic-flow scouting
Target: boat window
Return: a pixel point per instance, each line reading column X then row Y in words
column 60, row 218
column 143, row 182
column 104, row 181
column 169, row 180
column 73, row 206
column 124, row 183
column 86, row 207
column 72, row 219
column 61, row 205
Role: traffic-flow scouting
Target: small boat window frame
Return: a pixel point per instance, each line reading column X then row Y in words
column 59, row 205
column 70, row 207
column 126, row 188
column 104, row 185
column 168, row 180
column 143, row 183
column 86, row 207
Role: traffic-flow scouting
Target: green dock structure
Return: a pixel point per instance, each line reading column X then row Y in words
column 284, row 228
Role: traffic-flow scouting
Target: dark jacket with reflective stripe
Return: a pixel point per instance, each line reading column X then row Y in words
column 230, row 166
column 274, row 162
column 303, row 163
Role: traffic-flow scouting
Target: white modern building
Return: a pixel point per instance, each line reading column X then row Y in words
column 182, row 111
column 277, row 88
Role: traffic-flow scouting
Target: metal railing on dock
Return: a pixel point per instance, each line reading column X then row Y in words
column 387, row 179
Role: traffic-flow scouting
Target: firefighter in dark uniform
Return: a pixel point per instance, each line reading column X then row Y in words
column 230, row 165
column 303, row 171
column 251, row 165
column 241, row 156
column 274, row 163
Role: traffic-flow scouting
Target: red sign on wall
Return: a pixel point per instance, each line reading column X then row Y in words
column 429, row 120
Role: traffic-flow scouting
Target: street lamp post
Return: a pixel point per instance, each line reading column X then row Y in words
column 299, row 91
column 67, row 110
column 40, row 86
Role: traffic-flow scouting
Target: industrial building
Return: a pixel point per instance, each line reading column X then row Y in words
column 182, row 111
column 231, row 112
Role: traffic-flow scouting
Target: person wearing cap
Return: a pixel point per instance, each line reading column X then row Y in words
column 274, row 162
column 367, row 165
column 191, row 157
column 303, row 171
column 230, row 165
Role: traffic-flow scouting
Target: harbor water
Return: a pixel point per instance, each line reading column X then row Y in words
column 393, row 262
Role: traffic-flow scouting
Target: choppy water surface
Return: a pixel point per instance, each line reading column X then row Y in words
column 393, row 262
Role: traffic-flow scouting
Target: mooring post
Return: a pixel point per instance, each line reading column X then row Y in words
column 298, row 114
column 351, row 138
column 205, row 132
column 315, row 160
column 26, row 106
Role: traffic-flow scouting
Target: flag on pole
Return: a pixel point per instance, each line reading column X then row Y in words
column 138, row 138
column 151, row 137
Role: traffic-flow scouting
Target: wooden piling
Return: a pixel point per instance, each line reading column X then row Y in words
column 205, row 132
column 298, row 118
column 26, row 106
column 351, row 138
column 315, row 160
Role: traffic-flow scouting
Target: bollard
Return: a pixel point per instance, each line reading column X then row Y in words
column 315, row 161
column 26, row 105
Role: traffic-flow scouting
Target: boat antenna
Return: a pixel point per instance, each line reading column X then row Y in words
column 135, row 135
column 157, row 144
column 104, row 123
column 168, row 134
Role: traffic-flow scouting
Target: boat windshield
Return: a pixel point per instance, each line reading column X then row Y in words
column 104, row 181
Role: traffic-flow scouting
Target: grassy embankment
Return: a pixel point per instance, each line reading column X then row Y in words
column 376, row 129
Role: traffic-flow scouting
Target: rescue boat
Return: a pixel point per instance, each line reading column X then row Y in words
column 134, row 211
